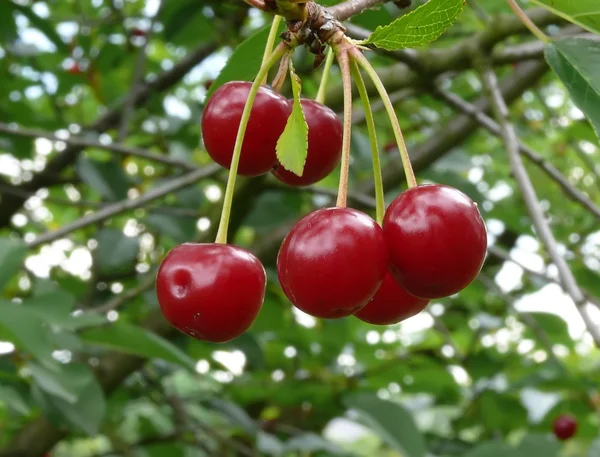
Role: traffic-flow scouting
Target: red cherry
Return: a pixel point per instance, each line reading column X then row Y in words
column 221, row 121
column 437, row 240
column 564, row 427
column 332, row 262
column 211, row 292
column 324, row 146
column 138, row 33
column 391, row 304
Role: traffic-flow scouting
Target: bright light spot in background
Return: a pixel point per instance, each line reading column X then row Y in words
column 63, row 356
column 112, row 316
column 278, row 375
column 202, row 366
column 304, row 319
column 176, row 108
column 151, row 7
column 373, row 337
column 234, row 361
column 203, row 224
column 6, row 347
column 537, row 403
column 344, row 430
column 9, row 166
column 290, row 352
column 213, row 193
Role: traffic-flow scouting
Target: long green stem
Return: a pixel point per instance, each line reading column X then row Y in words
column 362, row 89
column 237, row 150
column 344, row 63
column 271, row 42
column 325, row 78
column 527, row 21
column 389, row 107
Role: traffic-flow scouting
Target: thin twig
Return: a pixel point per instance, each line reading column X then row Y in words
column 531, row 200
column 86, row 143
column 126, row 205
column 572, row 192
column 122, row 299
column 351, row 8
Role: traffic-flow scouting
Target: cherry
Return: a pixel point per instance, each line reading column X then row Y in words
column 74, row 69
column 391, row 304
column 324, row 146
column 211, row 292
column 332, row 262
column 221, row 121
column 437, row 240
column 136, row 32
column 564, row 427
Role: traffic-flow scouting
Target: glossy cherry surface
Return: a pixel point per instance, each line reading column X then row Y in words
column 564, row 426
column 391, row 304
column 211, row 292
column 324, row 146
column 437, row 240
column 221, row 121
column 332, row 262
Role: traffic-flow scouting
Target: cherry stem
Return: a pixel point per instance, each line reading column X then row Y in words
column 389, row 107
column 260, row 4
column 370, row 120
column 282, row 72
column 271, row 42
column 325, row 78
column 344, row 63
column 527, row 21
column 277, row 54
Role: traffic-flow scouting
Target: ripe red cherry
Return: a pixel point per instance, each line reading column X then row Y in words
column 324, row 146
column 332, row 262
column 211, row 292
column 564, row 427
column 437, row 240
column 221, row 121
column 391, row 304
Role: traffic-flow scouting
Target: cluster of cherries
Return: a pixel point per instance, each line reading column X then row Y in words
column 335, row 262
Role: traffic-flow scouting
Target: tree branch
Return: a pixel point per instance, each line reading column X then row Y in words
column 484, row 120
column 126, row 205
column 531, row 200
column 79, row 142
column 351, row 8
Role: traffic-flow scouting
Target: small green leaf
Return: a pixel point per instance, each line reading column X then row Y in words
column 54, row 383
column 390, row 421
column 421, row 26
column 244, row 63
column 86, row 412
column 577, row 63
column 13, row 400
column 12, row 255
column 491, row 449
column 534, row 445
column 106, row 178
column 292, row 145
column 116, row 252
column 585, row 13
column 138, row 341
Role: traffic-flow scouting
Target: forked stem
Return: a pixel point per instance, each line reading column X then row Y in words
column 379, row 194
column 271, row 42
column 359, row 58
column 237, row 150
column 527, row 21
column 325, row 78
column 344, row 62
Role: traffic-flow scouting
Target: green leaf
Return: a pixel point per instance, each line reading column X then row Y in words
column 13, row 400
column 309, row 443
column 55, row 383
column 87, row 411
column 292, row 145
column 106, row 178
column 585, row 13
column 491, row 449
column 421, row 26
column 577, row 62
column 244, row 63
column 534, row 445
column 390, row 421
column 27, row 331
column 12, row 255
column 116, row 253
column 138, row 341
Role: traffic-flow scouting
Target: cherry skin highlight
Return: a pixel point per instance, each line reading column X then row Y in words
column 564, row 427
column 437, row 240
column 324, row 146
column 332, row 262
column 391, row 304
column 221, row 121
column 211, row 292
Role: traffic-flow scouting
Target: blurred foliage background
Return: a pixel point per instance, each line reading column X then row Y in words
column 102, row 171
